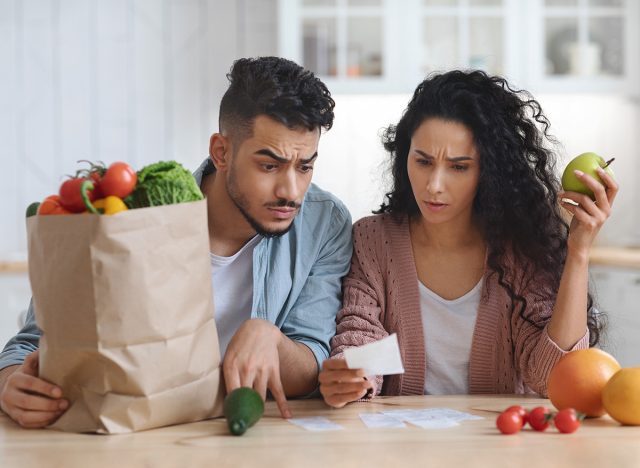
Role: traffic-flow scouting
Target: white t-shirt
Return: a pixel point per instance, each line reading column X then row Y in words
column 232, row 279
column 448, row 330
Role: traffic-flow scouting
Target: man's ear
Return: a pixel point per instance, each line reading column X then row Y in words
column 220, row 151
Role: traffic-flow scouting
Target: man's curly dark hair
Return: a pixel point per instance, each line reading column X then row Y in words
column 278, row 88
column 516, row 203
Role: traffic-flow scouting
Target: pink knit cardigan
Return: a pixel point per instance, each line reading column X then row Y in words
column 380, row 297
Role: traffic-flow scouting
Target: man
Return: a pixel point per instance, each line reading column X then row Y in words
column 279, row 245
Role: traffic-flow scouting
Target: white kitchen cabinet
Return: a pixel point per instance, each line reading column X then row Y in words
column 351, row 44
column 617, row 292
column 584, row 45
column 389, row 46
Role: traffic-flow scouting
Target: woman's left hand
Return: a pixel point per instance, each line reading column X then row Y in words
column 589, row 215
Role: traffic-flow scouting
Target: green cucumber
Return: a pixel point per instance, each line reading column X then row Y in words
column 243, row 407
column 32, row 209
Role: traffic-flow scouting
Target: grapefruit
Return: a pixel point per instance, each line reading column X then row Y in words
column 578, row 378
column 621, row 396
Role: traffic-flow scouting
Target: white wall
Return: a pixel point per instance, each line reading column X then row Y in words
column 352, row 162
column 133, row 80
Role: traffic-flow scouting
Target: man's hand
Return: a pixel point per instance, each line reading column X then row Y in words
column 29, row 400
column 252, row 360
column 340, row 385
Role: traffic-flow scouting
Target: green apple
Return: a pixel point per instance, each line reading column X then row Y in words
column 587, row 163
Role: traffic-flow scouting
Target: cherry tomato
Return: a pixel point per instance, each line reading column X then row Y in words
column 521, row 411
column 539, row 418
column 51, row 206
column 70, row 197
column 509, row 422
column 119, row 180
column 567, row 420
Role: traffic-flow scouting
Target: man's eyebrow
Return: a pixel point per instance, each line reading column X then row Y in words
column 307, row 161
column 280, row 159
column 456, row 159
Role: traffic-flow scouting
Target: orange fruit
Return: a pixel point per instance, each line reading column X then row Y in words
column 577, row 380
column 621, row 396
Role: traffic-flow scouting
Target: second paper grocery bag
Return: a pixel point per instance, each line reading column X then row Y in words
column 126, row 312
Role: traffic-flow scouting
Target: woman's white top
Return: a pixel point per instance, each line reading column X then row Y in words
column 448, row 330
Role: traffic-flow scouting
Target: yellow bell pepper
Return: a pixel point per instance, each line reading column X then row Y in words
column 107, row 205
column 110, row 205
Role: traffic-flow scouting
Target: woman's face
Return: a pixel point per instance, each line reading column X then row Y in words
column 444, row 169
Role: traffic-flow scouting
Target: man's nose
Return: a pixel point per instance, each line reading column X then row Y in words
column 288, row 187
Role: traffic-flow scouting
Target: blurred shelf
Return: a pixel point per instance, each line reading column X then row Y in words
column 625, row 257
column 13, row 267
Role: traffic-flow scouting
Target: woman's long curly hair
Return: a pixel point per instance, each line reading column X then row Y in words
column 516, row 203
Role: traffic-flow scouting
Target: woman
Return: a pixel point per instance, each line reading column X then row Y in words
column 469, row 259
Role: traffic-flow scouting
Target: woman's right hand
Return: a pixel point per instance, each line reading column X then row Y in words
column 340, row 385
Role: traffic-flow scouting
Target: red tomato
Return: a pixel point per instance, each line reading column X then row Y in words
column 539, row 418
column 509, row 422
column 51, row 206
column 119, row 180
column 96, row 177
column 567, row 420
column 521, row 411
column 70, row 197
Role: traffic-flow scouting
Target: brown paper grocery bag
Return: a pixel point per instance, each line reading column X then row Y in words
column 125, row 307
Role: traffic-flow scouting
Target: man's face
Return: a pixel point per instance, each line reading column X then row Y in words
column 269, row 174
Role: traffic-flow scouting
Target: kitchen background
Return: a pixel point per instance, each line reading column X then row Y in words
column 141, row 80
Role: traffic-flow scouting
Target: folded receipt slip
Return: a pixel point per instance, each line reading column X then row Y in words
column 381, row 357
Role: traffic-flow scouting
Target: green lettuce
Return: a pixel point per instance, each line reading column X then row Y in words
column 163, row 183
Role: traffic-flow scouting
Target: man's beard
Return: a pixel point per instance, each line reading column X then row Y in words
column 243, row 205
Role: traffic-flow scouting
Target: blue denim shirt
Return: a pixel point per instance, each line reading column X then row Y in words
column 296, row 277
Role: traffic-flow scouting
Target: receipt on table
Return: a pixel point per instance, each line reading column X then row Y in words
column 315, row 423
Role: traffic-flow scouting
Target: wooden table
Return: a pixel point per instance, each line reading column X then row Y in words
column 274, row 442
